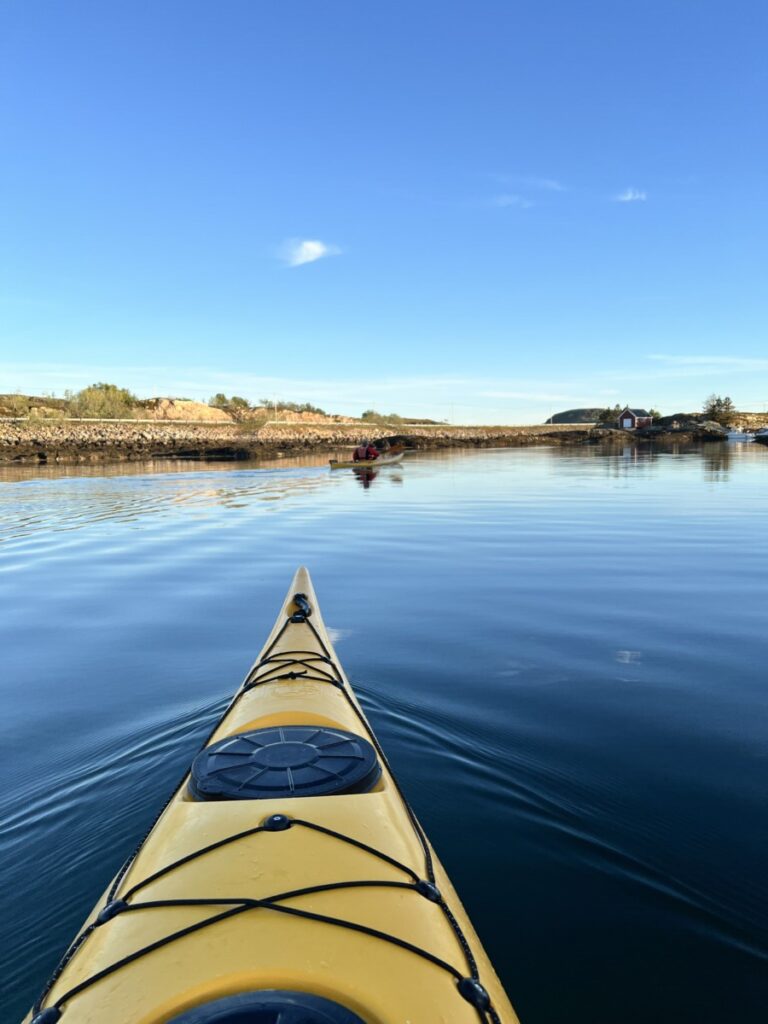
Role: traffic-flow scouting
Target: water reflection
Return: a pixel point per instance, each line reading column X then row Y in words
column 366, row 476
column 72, row 501
column 15, row 472
column 36, row 499
column 717, row 458
column 569, row 647
column 70, row 498
column 717, row 462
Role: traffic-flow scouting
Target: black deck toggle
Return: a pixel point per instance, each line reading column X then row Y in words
column 276, row 823
column 111, row 910
column 49, row 1016
column 429, row 890
column 304, row 608
column 474, row 993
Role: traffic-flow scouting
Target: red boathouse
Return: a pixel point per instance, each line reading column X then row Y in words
column 634, row 419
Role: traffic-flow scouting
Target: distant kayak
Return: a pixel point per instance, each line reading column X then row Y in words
column 383, row 460
column 286, row 880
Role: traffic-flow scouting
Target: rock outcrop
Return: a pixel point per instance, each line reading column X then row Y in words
column 181, row 409
column 675, row 430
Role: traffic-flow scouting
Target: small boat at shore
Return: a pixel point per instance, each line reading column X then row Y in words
column 287, row 879
column 383, row 460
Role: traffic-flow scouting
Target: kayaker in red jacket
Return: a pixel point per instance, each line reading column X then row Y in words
column 366, row 452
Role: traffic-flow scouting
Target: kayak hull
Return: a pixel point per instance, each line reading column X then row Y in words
column 383, row 460
column 332, row 942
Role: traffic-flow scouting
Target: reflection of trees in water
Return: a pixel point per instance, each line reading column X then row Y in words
column 718, row 458
column 614, row 461
column 717, row 461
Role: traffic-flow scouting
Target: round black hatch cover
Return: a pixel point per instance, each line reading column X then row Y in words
column 270, row 1007
column 285, row 761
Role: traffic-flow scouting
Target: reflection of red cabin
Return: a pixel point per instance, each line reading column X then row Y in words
column 634, row 419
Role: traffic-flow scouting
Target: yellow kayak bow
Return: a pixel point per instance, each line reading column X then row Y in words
column 286, row 881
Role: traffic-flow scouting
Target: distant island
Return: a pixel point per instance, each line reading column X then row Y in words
column 715, row 409
column 576, row 416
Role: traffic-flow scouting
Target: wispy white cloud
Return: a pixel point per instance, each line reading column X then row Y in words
column 202, row 381
column 549, row 184
column 738, row 362
column 631, row 195
column 528, row 396
column 531, row 181
column 297, row 251
column 520, row 187
column 507, row 199
column 663, row 368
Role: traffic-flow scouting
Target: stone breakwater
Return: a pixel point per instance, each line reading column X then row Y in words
column 62, row 441
column 34, row 441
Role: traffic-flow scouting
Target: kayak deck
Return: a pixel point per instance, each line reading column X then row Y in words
column 341, row 896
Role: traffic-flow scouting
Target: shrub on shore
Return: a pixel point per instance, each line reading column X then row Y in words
column 102, row 402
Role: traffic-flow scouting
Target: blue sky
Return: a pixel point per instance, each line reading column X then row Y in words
column 474, row 211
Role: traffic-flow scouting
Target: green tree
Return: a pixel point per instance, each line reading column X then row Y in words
column 609, row 415
column 371, row 416
column 721, row 410
column 278, row 404
column 235, row 406
column 654, row 414
column 104, row 402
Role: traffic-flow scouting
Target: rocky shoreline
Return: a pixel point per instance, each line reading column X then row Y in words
column 71, row 442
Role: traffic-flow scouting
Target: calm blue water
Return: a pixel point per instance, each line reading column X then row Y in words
column 568, row 673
